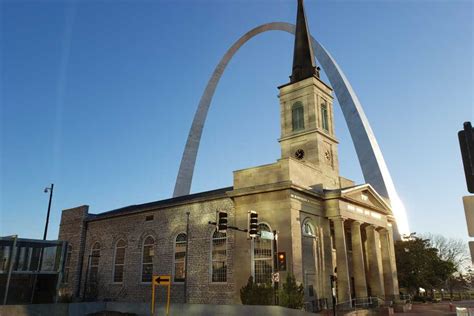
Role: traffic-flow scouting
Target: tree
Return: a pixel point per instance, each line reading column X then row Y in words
column 450, row 249
column 256, row 294
column 420, row 265
column 292, row 294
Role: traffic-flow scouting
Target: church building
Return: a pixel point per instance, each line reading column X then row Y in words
column 336, row 235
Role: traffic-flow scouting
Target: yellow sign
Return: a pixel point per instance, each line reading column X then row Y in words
column 160, row 280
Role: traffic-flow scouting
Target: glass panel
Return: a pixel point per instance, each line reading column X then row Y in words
column 5, row 252
column 324, row 116
column 179, row 271
column 93, row 272
column 118, row 273
column 263, row 261
column 147, row 272
column 219, row 271
column 219, row 257
column 35, row 258
column 148, row 254
column 120, row 256
column 297, row 114
column 147, row 260
column 179, row 258
column 49, row 259
column 263, row 271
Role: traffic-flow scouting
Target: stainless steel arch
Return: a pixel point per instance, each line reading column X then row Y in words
column 370, row 156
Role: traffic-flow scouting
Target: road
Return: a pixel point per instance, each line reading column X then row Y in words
column 442, row 308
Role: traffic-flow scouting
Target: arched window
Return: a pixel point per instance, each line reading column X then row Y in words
column 297, row 116
column 94, row 263
column 119, row 261
column 147, row 259
column 219, row 257
column 262, row 257
column 324, row 116
column 308, row 228
column 67, row 264
column 180, row 257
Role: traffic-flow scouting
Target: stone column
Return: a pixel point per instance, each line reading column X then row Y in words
column 393, row 262
column 343, row 280
column 375, row 271
column 387, row 264
column 358, row 261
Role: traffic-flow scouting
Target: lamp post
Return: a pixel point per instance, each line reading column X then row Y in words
column 40, row 262
column 46, row 190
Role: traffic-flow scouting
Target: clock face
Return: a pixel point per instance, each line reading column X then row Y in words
column 327, row 155
column 299, row 154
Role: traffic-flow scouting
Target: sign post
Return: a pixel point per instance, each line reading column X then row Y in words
column 160, row 280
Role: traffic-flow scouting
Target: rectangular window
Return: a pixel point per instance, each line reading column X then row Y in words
column 4, row 257
column 148, row 218
column 219, row 257
column 297, row 116
column 324, row 116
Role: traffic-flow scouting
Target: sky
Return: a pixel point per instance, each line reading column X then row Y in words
column 98, row 97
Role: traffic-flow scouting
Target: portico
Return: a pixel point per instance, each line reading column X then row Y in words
column 363, row 242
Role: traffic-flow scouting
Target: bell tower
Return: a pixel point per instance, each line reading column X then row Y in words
column 306, row 107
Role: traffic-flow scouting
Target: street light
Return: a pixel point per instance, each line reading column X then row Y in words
column 46, row 190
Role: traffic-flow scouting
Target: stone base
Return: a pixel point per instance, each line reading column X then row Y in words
column 402, row 308
column 385, row 311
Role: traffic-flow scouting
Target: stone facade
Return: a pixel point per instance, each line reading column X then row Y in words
column 329, row 228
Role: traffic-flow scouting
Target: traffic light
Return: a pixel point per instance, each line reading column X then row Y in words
column 466, row 141
column 222, row 222
column 281, row 261
column 253, row 224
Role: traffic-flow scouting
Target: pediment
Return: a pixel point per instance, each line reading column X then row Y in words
column 366, row 195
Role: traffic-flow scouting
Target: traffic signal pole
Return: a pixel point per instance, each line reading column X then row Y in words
column 275, row 265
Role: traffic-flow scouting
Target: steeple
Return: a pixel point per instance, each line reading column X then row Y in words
column 303, row 57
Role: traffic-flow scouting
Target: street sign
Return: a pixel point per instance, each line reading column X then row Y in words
column 266, row 235
column 468, row 202
column 161, row 280
column 276, row 277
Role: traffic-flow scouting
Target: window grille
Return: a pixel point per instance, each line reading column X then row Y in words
column 262, row 256
column 324, row 116
column 119, row 262
column 180, row 257
column 297, row 116
column 94, row 263
column 219, row 257
column 308, row 229
column 147, row 259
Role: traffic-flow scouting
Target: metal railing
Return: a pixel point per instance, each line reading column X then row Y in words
column 370, row 302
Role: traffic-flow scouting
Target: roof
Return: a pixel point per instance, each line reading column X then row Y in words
column 207, row 195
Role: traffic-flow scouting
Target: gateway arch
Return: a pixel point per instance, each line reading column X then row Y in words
column 374, row 168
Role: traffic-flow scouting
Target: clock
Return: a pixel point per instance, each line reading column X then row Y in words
column 327, row 155
column 299, row 154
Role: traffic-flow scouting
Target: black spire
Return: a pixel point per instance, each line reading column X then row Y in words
column 303, row 57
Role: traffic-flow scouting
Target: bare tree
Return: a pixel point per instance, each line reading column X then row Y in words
column 451, row 249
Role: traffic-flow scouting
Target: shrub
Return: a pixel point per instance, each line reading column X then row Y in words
column 256, row 294
column 292, row 294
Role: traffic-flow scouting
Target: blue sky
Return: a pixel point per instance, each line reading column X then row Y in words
column 98, row 97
